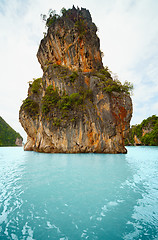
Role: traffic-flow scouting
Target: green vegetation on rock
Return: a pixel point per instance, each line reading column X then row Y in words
column 105, row 72
column 52, row 16
column 8, row 135
column 81, row 27
column 146, row 132
column 56, row 121
column 35, row 85
column 73, row 76
column 108, row 84
column 52, row 100
column 116, row 86
column 30, row 106
column 67, row 102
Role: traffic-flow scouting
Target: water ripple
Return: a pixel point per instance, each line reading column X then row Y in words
column 82, row 196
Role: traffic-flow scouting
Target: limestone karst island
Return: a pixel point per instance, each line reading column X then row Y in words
column 76, row 107
column 8, row 136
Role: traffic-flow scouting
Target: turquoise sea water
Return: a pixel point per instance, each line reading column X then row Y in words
column 79, row 196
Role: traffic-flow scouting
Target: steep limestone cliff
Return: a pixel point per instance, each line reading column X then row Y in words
column 71, row 41
column 76, row 106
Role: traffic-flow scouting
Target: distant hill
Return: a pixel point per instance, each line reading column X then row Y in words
column 145, row 133
column 8, row 136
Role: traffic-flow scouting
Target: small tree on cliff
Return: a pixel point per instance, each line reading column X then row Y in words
column 51, row 17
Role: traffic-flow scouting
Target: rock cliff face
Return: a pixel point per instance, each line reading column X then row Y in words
column 76, row 106
column 72, row 41
column 18, row 142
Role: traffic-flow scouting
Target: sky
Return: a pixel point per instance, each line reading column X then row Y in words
column 128, row 32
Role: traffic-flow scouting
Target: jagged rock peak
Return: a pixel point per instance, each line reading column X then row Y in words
column 71, row 41
column 76, row 107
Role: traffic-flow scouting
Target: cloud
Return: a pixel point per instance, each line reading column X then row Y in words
column 17, row 60
column 128, row 34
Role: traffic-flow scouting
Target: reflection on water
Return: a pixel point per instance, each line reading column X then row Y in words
column 79, row 196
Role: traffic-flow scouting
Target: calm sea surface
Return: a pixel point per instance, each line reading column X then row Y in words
column 79, row 196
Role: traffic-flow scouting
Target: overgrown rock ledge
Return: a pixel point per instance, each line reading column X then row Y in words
column 76, row 107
